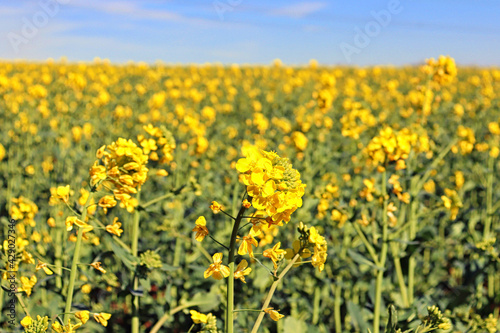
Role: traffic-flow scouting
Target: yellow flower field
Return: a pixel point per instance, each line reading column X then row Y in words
column 159, row 198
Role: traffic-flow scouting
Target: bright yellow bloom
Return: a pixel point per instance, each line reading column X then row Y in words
column 26, row 321
column 275, row 186
column 83, row 316
column 315, row 237
column 217, row 270
column 300, row 140
column 275, row 254
column 215, row 207
column 274, row 314
column 198, row 317
column 200, row 229
column 107, row 201
column 102, row 318
column 42, row 265
column 246, row 245
column 115, row 227
column 59, row 194
column 73, row 220
column 241, row 270
column 443, row 70
column 27, row 284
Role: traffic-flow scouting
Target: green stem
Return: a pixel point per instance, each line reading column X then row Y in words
column 399, row 274
column 383, row 257
column 230, row 281
column 411, row 261
column 23, row 306
column 247, row 310
column 317, row 296
column 152, row 202
column 367, row 244
column 134, row 247
column 215, row 240
column 191, row 328
column 337, row 305
column 271, row 292
column 489, row 198
column 74, row 263
column 170, row 313
column 488, row 220
column 58, row 255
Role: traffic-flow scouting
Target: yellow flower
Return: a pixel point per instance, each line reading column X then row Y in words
column 494, row 152
column 162, row 173
column 115, row 227
column 215, row 207
column 200, row 229
column 71, row 220
column 452, row 202
column 275, row 186
column 300, row 140
column 274, row 314
column 42, row 265
column 59, row 194
column 443, row 70
column 102, row 318
column 97, row 265
column 107, row 201
column 26, row 321
column 246, row 245
column 242, row 270
column 315, row 237
column 217, row 270
column 275, row 254
column 86, row 288
column 27, row 284
column 83, row 316
column 391, row 208
column 51, row 222
column 198, row 318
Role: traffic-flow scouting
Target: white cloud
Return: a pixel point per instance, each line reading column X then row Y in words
column 299, row 10
column 132, row 10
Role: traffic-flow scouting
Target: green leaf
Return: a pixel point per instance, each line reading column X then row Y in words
column 361, row 259
column 356, row 313
column 291, row 324
column 168, row 268
column 392, row 321
column 128, row 259
column 206, row 301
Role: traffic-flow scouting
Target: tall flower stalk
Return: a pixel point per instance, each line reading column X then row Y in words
column 274, row 190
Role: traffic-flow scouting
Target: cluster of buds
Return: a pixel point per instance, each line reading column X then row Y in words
column 436, row 320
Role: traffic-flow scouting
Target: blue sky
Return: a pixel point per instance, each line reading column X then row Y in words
column 244, row 31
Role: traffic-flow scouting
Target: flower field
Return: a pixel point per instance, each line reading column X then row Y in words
column 209, row 198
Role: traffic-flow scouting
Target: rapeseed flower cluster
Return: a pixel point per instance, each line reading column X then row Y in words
column 443, row 70
column 273, row 184
column 392, row 146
